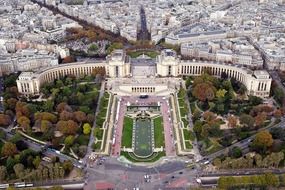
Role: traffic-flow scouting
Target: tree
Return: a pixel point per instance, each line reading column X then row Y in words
column 65, row 115
column 93, row 47
column 69, row 140
column 260, row 119
column 217, row 162
column 82, row 150
column 11, row 103
column 24, row 122
column 22, row 109
column 67, row 127
column 209, row 116
column 80, row 116
column 45, row 116
column 45, row 126
column 242, row 90
column 48, row 105
column 67, row 166
column 262, row 141
column 86, row 129
column 220, row 94
column 3, row 173
column 254, row 100
column 246, row 120
column 90, row 118
column 236, row 152
column 204, row 92
column 19, row 169
column 5, row 120
column 232, row 121
column 278, row 94
column 37, row 161
column 198, row 127
column 63, row 107
column 10, row 162
column 9, row 149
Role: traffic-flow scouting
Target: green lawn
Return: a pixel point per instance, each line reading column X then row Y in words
column 96, row 146
column 98, row 133
column 135, row 54
column 101, row 116
column 131, row 157
column 181, row 102
column 188, row 135
column 158, row 132
column 188, row 145
column 127, row 132
column 183, row 112
column 185, row 121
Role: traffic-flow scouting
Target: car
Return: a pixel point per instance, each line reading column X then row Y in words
column 173, row 177
column 206, row 162
column 180, row 172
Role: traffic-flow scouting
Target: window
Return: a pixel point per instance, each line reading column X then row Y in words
column 169, row 70
column 117, row 71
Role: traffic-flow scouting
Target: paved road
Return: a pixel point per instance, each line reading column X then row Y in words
column 170, row 174
column 143, row 32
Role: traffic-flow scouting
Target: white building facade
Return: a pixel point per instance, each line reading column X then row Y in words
column 168, row 65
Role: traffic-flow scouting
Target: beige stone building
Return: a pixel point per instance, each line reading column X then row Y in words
column 169, row 69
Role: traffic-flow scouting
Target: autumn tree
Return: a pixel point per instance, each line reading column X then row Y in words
column 65, row 115
column 24, row 122
column 5, row 120
column 204, row 92
column 11, row 103
column 67, row 127
column 80, row 116
column 22, row 109
column 63, row 107
column 45, row 116
column 209, row 116
column 260, row 119
column 262, row 141
column 232, row 121
column 9, row 149
column 45, row 125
